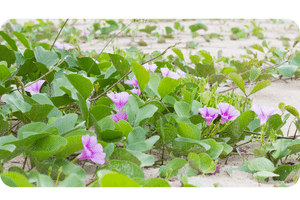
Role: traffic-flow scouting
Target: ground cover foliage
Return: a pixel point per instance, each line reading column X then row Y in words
column 63, row 108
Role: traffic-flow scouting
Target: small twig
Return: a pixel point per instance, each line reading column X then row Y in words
column 58, row 34
column 68, row 106
column 103, row 93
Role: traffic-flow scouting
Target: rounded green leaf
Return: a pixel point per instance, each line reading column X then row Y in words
column 126, row 167
column 182, row 109
column 48, row 58
column 14, row 179
column 238, row 80
column 166, row 86
column 4, row 72
column 22, row 39
column 120, row 63
column 72, row 181
column 83, row 85
column 178, row 53
column 141, row 74
column 261, row 164
column 117, row 180
column 292, row 110
column 287, row 70
column 254, row 73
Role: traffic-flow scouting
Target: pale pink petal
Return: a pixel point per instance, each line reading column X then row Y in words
column 150, row 67
column 164, row 72
column 132, row 81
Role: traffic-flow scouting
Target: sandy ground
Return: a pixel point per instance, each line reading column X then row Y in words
column 287, row 92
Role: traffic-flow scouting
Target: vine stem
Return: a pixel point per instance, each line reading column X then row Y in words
column 58, row 34
column 116, row 83
column 108, row 43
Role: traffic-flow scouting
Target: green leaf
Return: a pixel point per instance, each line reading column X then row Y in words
column 111, row 135
column 123, row 154
column 48, row 58
column 84, row 109
column 145, row 145
column 141, row 74
column 187, row 145
column 68, row 168
column 124, row 126
column 292, row 110
column 99, row 112
column 22, row 39
column 148, row 29
column 182, row 109
column 284, row 171
column 4, row 72
column 254, row 73
column 166, row 86
column 174, row 165
column 4, row 90
column 236, row 128
column 83, row 85
column 154, row 82
column 184, row 130
column 258, row 47
column 72, row 181
column 204, row 70
column 43, row 68
column 9, row 40
column 74, row 143
column 238, row 80
column 261, row 175
column 294, row 146
column 64, row 123
column 117, row 180
column 145, row 113
column 126, row 167
column 39, row 113
column 198, row 26
column 47, row 146
column 7, row 55
column 260, row 85
column 145, row 159
column 261, row 164
column 287, row 70
column 178, row 53
column 62, row 101
column 207, row 56
column 25, row 144
column 120, row 63
column 206, row 163
column 88, row 65
column 40, row 179
column 14, row 179
column 6, row 150
column 215, row 149
column 152, row 182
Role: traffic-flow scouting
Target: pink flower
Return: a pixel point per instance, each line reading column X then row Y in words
column 63, row 46
column 166, row 72
column 133, row 82
column 136, row 91
column 34, row 87
column 150, row 67
column 83, row 41
column 209, row 114
column 120, row 99
column 217, row 171
column 181, row 73
column 227, row 112
column 119, row 116
column 263, row 113
column 86, row 32
column 92, row 150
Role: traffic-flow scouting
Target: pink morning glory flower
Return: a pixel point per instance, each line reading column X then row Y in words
column 242, row 150
column 227, row 112
column 63, row 46
column 136, row 91
column 92, row 150
column 119, row 116
column 86, row 32
column 209, row 114
column 120, row 99
column 263, row 112
column 83, row 41
column 150, row 67
column 133, row 82
column 181, row 73
column 34, row 87
column 166, row 72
